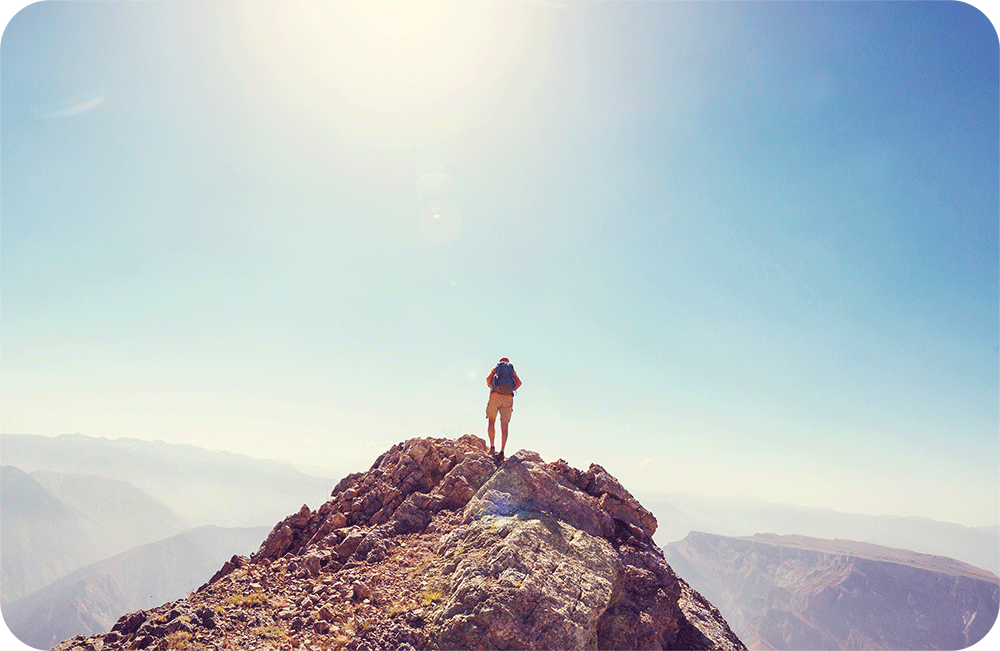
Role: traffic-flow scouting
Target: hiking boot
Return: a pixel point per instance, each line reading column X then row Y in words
column 493, row 451
column 500, row 457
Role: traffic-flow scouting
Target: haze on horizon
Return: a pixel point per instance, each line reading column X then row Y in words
column 731, row 248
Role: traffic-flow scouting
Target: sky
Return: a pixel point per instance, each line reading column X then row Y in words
column 730, row 248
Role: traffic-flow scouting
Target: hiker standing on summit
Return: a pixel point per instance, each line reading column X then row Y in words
column 503, row 382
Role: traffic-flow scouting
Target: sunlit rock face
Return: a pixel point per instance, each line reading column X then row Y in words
column 438, row 546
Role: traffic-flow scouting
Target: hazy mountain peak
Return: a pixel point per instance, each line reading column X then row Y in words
column 201, row 486
column 116, row 514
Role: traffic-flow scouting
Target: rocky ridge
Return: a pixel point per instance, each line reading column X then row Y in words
column 438, row 547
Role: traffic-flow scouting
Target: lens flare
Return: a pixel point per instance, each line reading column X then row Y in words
column 440, row 222
column 70, row 108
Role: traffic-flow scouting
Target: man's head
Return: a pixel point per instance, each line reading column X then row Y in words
column 504, row 359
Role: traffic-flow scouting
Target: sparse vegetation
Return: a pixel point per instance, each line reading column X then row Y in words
column 178, row 640
column 421, row 567
column 432, row 596
column 271, row 633
column 400, row 608
column 253, row 599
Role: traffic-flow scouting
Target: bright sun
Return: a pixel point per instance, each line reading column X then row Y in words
column 402, row 43
column 377, row 56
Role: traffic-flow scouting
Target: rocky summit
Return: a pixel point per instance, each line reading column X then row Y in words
column 437, row 546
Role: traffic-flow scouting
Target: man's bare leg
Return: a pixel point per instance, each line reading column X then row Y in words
column 491, row 429
column 504, row 424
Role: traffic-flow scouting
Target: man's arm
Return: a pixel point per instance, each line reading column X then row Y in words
column 489, row 378
column 517, row 381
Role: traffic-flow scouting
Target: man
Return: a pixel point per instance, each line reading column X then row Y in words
column 503, row 382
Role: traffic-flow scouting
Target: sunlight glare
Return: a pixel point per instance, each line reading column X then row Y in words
column 381, row 54
column 401, row 72
column 400, row 43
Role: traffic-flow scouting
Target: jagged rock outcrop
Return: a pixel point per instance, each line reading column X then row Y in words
column 438, row 547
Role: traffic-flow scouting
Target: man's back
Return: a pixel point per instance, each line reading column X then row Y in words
column 503, row 382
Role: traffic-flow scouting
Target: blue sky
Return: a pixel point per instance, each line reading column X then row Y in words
column 730, row 248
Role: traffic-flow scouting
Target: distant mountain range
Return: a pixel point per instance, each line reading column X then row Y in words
column 116, row 515
column 41, row 538
column 201, row 486
column 796, row 592
column 681, row 513
column 93, row 527
column 92, row 598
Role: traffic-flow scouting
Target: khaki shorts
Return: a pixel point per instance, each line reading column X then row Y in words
column 503, row 404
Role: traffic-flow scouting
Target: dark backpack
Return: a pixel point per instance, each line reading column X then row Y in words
column 503, row 379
